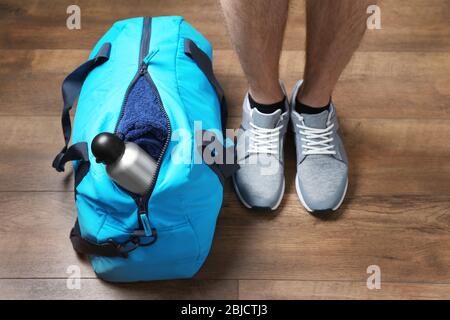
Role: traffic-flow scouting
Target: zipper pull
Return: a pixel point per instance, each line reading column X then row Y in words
column 143, row 68
column 143, row 216
column 150, row 56
column 146, row 60
column 146, row 224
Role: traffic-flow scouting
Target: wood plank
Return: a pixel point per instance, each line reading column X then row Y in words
column 34, row 236
column 374, row 85
column 93, row 289
column 414, row 25
column 387, row 157
column 306, row 290
column 28, row 146
column 408, row 237
column 376, row 64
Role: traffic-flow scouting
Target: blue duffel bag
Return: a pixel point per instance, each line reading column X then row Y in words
column 147, row 80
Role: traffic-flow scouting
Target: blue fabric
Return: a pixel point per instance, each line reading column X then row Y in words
column 187, row 196
column 143, row 122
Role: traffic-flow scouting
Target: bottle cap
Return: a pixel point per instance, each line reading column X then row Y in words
column 107, row 148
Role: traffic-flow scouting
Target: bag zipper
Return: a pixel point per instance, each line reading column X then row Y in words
column 144, row 45
column 142, row 201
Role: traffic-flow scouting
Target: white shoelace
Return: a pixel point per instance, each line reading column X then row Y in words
column 263, row 140
column 317, row 141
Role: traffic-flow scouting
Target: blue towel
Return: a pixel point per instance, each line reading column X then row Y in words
column 143, row 122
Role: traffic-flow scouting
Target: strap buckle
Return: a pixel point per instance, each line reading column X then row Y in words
column 125, row 248
column 134, row 242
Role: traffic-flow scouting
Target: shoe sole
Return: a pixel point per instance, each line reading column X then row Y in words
column 300, row 196
column 275, row 207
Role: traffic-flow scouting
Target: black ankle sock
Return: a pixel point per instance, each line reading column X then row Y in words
column 267, row 108
column 303, row 108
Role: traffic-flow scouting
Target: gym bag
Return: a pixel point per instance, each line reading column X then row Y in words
column 149, row 81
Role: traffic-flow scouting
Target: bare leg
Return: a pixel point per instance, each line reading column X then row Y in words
column 256, row 29
column 334, row 31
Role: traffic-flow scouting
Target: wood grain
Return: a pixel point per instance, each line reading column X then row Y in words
column 408, row 237
column 93, row 289
column 393, row 101
column 407, row 85
column 412, row 25
column 34, row 235
column 339, row 290
column 385, row 155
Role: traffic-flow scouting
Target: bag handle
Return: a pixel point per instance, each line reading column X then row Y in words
column 205, row 65
column 222, row 168
column 71, row 88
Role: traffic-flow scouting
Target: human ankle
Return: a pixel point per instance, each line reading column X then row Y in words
column 313, row 100
column 268, row 95
column 268, row 108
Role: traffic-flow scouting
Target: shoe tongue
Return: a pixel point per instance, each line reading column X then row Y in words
column 266, row 120
column 318, row 121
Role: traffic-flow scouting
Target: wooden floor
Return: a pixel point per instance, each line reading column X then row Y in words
column 394, row 105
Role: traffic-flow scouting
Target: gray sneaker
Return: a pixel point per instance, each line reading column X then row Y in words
column 322, row 165
column 259, row 183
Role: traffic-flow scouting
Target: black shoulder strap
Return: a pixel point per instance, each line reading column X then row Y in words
column 204, row 63
column 71, row 88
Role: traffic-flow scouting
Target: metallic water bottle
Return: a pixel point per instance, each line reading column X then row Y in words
column 126, row 163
